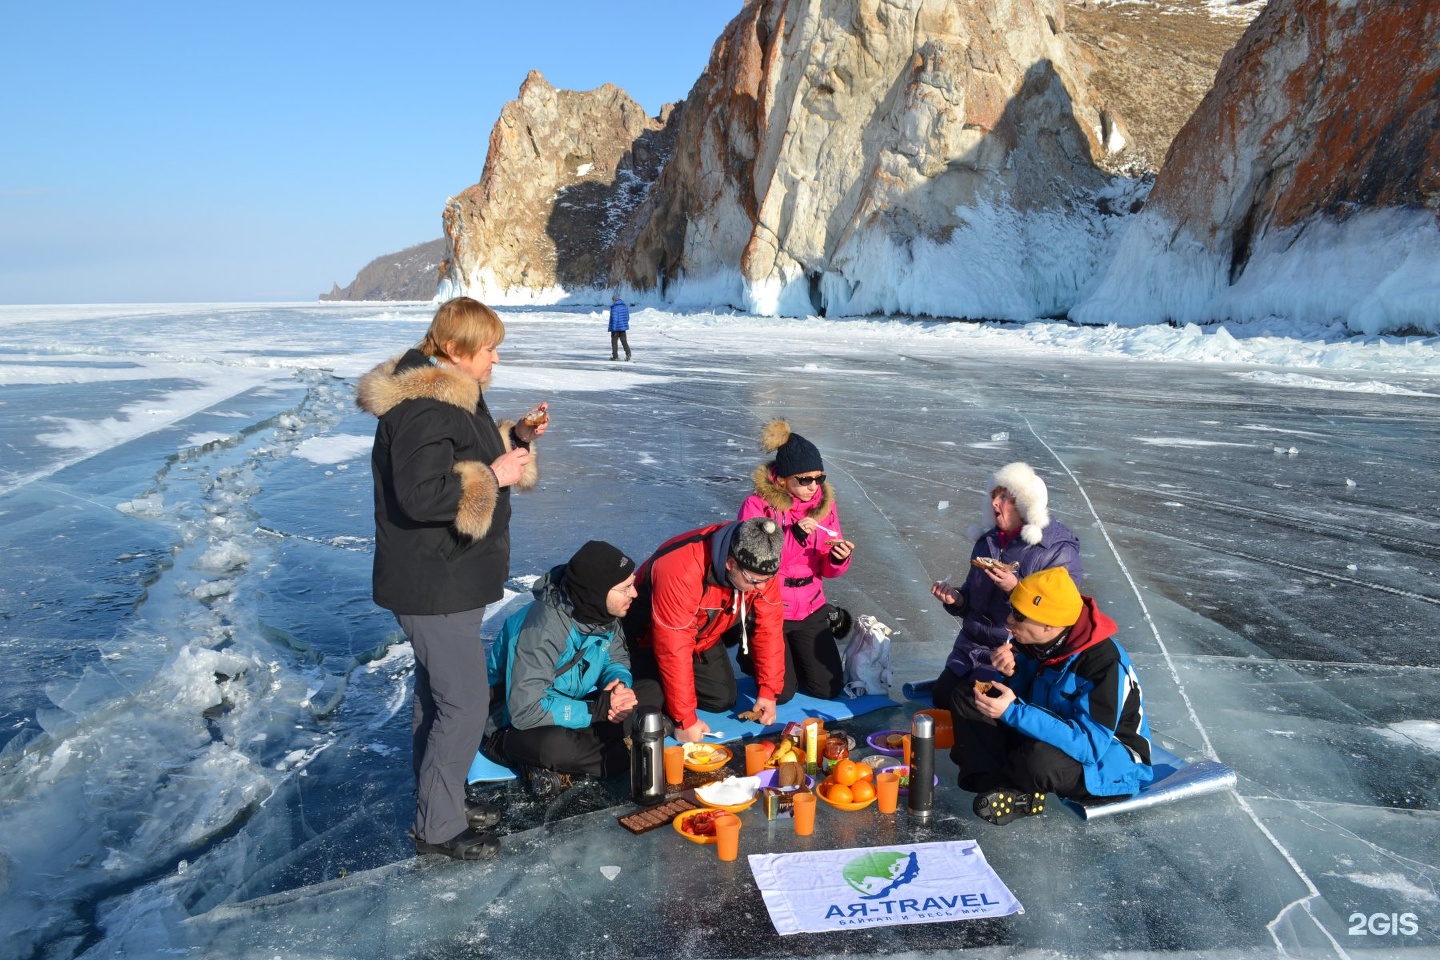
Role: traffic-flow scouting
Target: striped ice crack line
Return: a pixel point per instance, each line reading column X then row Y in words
column 1311, row 571
column 1303, row 903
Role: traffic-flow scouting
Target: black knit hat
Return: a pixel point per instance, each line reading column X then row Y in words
column 589, row 577
column 793, row 453
column 757, row 544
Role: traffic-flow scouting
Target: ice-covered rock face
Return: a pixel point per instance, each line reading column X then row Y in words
column 1306, row 184
column 564, row 170
column 830, row 146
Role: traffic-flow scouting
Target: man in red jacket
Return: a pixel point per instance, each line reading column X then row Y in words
column 694, row 588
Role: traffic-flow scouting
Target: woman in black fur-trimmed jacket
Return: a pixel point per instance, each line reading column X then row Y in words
column 443, row 469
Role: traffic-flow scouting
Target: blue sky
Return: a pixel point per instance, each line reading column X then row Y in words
column 159, row 151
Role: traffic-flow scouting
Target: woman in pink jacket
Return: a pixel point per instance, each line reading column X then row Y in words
column 791, row 490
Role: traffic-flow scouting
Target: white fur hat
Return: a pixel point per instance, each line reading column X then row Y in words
column 1031, row 499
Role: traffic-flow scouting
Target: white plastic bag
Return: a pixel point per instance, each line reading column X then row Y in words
column 867, row 658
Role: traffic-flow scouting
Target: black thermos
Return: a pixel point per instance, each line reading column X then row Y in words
column 922, row 766
column 647, row 756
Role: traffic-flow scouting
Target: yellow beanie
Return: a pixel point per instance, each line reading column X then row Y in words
column 1049, row 597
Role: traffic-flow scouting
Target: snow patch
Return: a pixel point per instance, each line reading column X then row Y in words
column 1396, row 883
column 335, row 449
column 1320, row 383
column 1420, row 733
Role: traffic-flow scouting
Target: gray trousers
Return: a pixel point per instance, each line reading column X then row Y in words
column 452, row 702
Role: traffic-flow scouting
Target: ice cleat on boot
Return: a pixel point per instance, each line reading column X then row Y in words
column 469, row 845
column 481, row 816
column 546, row 784
column 1007, row 804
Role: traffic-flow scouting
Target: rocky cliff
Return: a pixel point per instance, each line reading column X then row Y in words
column 564, row 172
column 1307, row 184
column 855, row 156
column 1150, row 66
column 411, row 274
column 979, row 158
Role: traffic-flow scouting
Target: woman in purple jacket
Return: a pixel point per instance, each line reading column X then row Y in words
column 791, row 490
column 1025, row 534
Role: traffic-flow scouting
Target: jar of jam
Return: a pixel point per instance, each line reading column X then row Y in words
column 837, row 748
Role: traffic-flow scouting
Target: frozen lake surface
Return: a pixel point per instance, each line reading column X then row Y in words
column 205, row 721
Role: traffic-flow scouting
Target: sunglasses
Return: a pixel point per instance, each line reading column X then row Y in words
column 751, row 580
column 808, row 481
column 1017, row 616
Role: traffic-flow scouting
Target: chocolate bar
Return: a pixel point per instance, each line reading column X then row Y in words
column 651, row 818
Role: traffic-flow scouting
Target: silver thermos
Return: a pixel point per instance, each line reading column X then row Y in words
column 647, row 756
column 922, row 766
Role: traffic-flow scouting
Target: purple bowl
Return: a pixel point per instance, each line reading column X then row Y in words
column 769, row 775
column 877, row 742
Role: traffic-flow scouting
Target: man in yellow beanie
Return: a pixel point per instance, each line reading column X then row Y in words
column 1068, row 719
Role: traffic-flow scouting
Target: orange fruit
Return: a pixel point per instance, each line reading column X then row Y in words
column 845, row 772
column 863, row 791
column 867, row 772
column 839, row 793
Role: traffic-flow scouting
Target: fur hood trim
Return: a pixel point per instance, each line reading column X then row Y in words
column 382, row 389
column 769, row 489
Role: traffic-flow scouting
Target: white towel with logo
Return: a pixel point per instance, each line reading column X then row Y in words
column 873, row 886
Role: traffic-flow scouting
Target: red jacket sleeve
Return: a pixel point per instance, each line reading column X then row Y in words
column 677, row 586
column 768, row 644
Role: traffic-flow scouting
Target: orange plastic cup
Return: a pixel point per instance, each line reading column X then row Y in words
column 907, row 750
column 804, row 814
column 887, row 791
column 756, row 755
column 674, row 765
column 727, row 836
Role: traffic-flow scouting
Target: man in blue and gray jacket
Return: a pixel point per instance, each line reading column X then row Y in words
column 619, row 328
column 560, row 674
column 1068, row 718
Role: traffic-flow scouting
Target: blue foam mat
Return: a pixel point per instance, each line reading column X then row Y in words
column 733, row 728
column 797, row 709
column 1175, row 777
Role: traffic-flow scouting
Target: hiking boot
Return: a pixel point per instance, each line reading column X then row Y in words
column 469, row 845
column 481, row 816
column 546, row 784
column 1007, row 804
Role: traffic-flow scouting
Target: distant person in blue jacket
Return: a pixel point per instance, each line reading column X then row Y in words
column 1068, row 719
column 619, row 328
column 562, row 674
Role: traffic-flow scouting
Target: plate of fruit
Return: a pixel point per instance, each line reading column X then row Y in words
column 850, row 786
column 698, row 826
column 704, row 757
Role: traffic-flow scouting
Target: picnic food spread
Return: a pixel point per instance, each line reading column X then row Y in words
column 849, row 785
